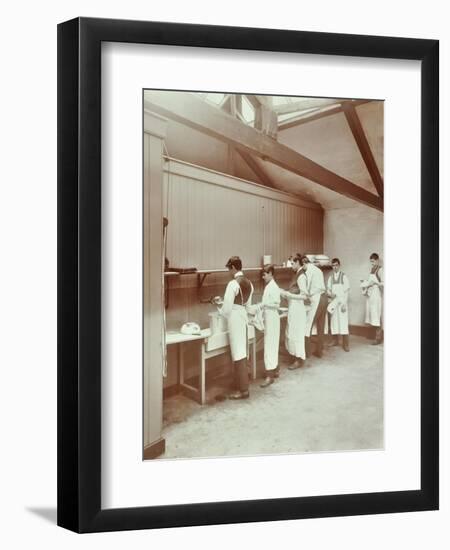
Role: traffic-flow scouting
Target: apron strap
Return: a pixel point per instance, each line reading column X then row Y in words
column 340, row 279
column 375, row 272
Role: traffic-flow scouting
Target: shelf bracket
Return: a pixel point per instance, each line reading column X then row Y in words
column 201, row 279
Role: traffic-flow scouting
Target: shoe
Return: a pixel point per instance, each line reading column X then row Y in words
column 345, row 343
column 307, row 347
column 276, row 375
column 318, row 354
column 335, row 341
column 220, row 397
column 267, row 382
column 239, row 395
column 298, row 364
column 376, row 343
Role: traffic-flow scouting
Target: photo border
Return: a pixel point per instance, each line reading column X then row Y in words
column 79, row 274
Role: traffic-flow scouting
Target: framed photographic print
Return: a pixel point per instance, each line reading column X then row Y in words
column 248, row 275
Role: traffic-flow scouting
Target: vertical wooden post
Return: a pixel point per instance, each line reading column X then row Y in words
column 231, row 153
column 153, row 330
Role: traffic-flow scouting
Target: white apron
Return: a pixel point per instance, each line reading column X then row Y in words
column 238, row 332
column 339, row 318
column 296, row 321
column 373, row 304
column 311, row 313
column 295, row 328
column 237, row 319
column 271, row 302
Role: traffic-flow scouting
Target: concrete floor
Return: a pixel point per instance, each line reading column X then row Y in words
column 335, row 403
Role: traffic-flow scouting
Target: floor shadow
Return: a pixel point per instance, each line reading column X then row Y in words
column 49, row 514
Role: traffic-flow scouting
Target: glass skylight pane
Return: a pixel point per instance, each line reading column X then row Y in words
column 248, row 111
column 216, row 99
column 296, row 114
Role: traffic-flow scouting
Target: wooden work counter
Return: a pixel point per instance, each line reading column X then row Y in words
column 210, row 346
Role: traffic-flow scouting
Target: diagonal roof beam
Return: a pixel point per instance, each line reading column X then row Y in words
column 256, row 168
column 264, row 176
column 191, row 111
column 363, row 145
column 253, row 100
column 258, row 100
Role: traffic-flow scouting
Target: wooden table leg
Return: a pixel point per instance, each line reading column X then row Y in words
column 202, row 387
column 181, row 363
column 254, row 359
column 187, row 390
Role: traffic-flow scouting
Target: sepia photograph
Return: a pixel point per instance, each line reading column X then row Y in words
column 228, row 351
column 263, row 274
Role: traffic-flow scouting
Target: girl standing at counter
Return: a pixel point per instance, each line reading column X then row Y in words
column 296, row 320
column 373, row 290
column 270, row 303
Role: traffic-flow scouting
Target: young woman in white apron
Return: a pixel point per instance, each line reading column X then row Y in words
column 270, row 304
column 337, row 289
column 296, row 319
column 374, row 299
column 319, row 302
column 238, row 295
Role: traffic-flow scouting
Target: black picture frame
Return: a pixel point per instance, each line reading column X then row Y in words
column 79, row 274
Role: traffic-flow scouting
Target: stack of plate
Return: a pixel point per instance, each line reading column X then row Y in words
column 311, row 257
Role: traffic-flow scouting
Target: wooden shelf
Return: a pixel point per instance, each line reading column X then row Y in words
column 206, row 272
column 203, row 273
